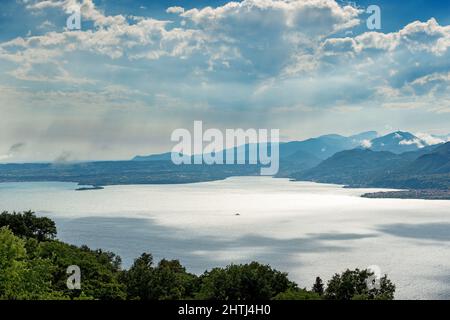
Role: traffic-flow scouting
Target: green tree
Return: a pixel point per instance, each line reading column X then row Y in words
column 167, row 281
column 352, row 285
column 21, row 278
column 170, row 281
column 100, row 273
column 318, row 286
column 252, row 281
column 138, row 277
column 28, row 225
column 12, row 267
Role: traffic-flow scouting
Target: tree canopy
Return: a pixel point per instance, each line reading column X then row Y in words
column 27, row 225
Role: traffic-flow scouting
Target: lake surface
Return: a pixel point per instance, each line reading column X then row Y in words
column 305, row 229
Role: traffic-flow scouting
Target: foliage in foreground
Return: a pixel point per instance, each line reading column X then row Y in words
column 33, row 266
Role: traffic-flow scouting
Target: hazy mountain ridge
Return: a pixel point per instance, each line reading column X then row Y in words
column 436, row 162
column 353, row 167
column 329, row 159
column 426, row 168
column 294, row 156
column 321, row 147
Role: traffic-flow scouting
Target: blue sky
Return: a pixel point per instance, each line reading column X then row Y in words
column 137, row 70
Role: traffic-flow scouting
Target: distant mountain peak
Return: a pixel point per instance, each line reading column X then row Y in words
column 398, row 142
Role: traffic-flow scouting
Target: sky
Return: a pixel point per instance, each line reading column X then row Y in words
column 137, row 70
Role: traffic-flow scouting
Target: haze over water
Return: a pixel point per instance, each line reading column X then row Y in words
column 305, row 229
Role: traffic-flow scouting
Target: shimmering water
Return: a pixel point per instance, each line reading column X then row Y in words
column 306, row 229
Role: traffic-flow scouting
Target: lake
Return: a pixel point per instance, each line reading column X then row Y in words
column 303, row 228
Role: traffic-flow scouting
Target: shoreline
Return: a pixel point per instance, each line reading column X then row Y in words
column 410, row 194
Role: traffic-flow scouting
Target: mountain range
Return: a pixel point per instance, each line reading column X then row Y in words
column 424, row 168
column 320, row 148
column 397, row 160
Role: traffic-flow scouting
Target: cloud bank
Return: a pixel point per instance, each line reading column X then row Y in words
column 290, row 64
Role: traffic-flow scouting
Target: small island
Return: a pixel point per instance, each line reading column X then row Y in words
column 89, row 188
column 410, row 194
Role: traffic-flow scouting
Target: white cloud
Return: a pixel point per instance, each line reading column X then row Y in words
column 417, row 142
column 434, row 77
column 415, row 37
column 225, row 37
column 46, row 25
column 292, row 33
column 175, row 10
column 41, row 5
column 430, row 139
column 298, row 39
column 295, row 15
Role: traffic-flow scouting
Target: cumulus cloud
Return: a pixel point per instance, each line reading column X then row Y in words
column 415, row 37
column 295, row 15
column 112, row 36
column 298, row 40
column 225, row 35
column 175, row 10
column 408, row 69
column 292, row 33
